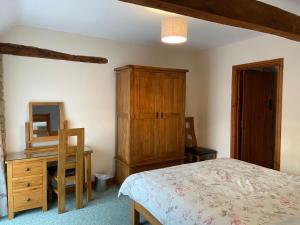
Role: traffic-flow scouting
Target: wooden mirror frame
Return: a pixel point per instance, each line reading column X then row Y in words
column 60, row 105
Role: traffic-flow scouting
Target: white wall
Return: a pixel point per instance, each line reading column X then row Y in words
column 88, row 90
column 215, row 67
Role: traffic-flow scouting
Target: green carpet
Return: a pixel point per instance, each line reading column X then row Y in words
column 104, row 209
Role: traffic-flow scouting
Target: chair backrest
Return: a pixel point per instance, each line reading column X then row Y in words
column 66, row 152
column 190, row 137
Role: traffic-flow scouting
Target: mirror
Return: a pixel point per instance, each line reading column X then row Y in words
column 45, row 120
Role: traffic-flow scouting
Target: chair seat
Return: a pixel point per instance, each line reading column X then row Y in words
column 200, row 151
column 197, row 154
column 68, row 178
column 70, row 182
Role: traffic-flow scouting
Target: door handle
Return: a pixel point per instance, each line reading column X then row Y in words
column 157, row 115
column 162, row 115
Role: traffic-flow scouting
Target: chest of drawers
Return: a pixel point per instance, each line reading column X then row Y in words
column 27, row 179
column 27, row 185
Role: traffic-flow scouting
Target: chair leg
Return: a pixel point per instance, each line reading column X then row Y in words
column 79, row 185
column 61, row 198
column 79, row 195
column 61, row 204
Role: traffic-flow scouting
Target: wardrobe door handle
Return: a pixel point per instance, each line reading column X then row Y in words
column 162, row 115
column 157, row 115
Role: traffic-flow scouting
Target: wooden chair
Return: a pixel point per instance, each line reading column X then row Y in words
column 192, row 151
column 190, row 137
column 70, row 157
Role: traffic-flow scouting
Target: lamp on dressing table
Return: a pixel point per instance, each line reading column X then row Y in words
column 27, row 176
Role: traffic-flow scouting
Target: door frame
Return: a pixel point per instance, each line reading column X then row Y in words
column 236, row 103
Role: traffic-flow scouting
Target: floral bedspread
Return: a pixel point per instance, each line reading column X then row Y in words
column 217, row 192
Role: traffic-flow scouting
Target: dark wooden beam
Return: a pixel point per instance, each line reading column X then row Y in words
column 249, row 14
column 29, row 51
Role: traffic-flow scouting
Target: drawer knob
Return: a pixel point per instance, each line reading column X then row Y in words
column 28, row 185
column 28, row 199
column 28, row 169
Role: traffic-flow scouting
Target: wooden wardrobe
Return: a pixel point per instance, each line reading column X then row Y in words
column 150, row 119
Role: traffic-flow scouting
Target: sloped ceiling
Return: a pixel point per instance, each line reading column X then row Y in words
column 9, row 14
column 112, row 19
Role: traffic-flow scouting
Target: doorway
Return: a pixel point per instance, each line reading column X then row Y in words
column 256, row 113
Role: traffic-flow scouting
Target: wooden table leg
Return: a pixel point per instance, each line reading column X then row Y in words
column 84, row 172
column 45, row 186
column 79, row 181
column 135, row 215
column 89, row 177
column 9, row 192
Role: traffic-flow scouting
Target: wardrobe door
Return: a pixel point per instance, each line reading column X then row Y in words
column 172, row 106
column 144, row 138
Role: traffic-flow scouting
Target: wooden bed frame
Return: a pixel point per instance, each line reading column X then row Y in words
column 138, row 210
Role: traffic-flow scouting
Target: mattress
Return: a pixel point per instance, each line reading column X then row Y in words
column 217, row 192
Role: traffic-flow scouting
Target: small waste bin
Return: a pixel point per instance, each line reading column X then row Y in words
column 101, row 181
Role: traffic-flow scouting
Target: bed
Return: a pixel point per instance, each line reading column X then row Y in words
column 214, row 192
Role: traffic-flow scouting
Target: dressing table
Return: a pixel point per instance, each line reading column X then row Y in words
column 27, row 176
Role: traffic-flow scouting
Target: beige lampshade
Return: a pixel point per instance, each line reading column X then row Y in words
column 174, row 30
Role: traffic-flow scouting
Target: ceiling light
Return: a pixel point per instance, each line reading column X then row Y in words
column 174, row 30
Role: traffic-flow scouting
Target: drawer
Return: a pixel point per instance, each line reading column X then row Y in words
column 27, row 169
column 28, row 200
column 27, row 182
column 155, row 166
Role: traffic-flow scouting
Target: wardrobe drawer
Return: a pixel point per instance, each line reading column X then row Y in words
column 27, row 169
column 27, row 182
column 28, row 200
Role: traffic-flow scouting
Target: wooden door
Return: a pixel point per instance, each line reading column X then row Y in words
column 172, row 109
column 144, row 138
column 258, row 118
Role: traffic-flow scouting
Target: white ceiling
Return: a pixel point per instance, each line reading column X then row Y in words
column 292, row 6
column 9, row 12
column 112, row 19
